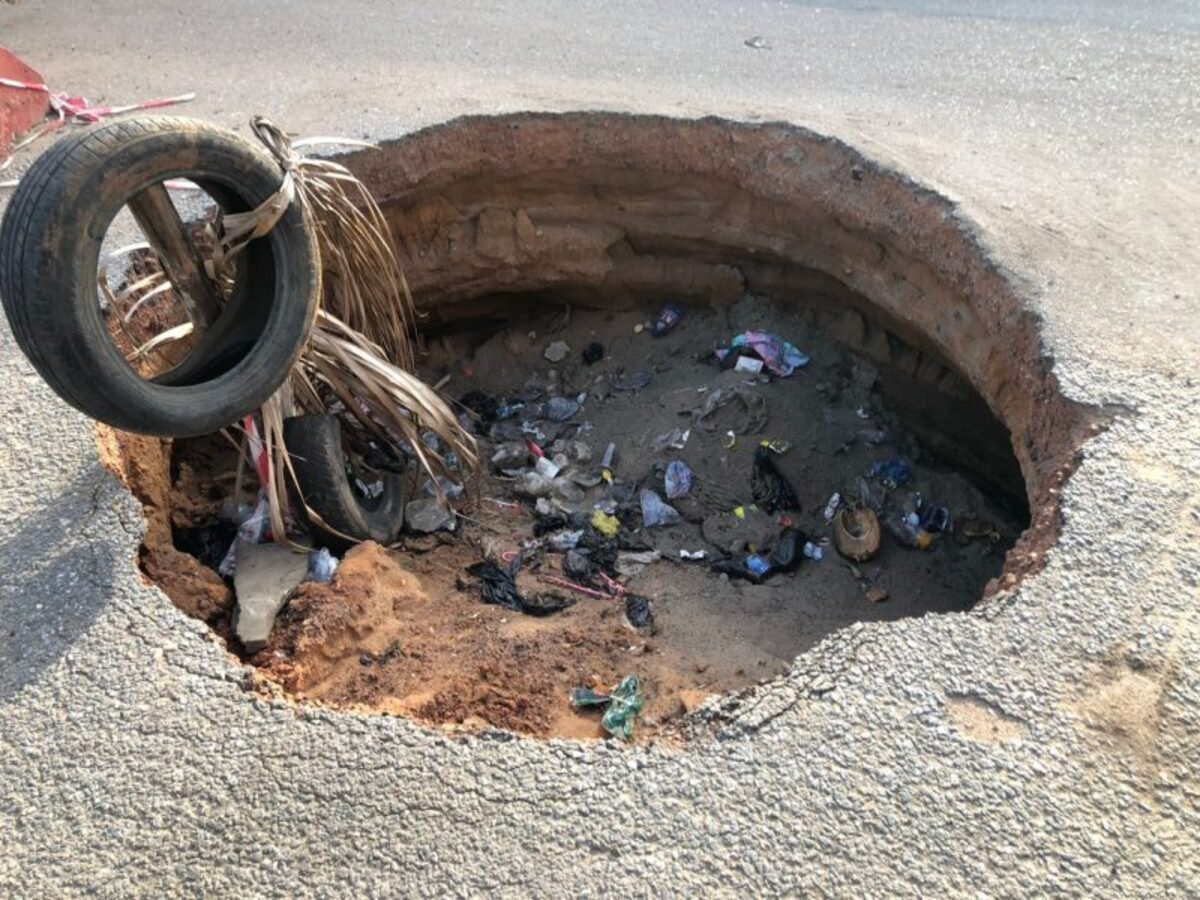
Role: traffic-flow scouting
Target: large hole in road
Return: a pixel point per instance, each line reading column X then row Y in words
column 520, row 233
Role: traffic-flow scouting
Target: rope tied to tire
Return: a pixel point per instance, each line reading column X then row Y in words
column 233, row 231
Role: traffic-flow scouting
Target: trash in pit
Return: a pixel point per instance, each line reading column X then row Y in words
column 678, row 479
column 624, row 704
column 791, row 547
column 779, row 356
column 631, row 562
column 557, row 351
column 675, row 439
column 752, row 420
column 633, row 382
column 605, row 524
column 667, row 319
column 593, row 353
column 894, row 473
column 856, row 533
column 693, row 555
column 655, row 513
column 639, row 616
column 497, row 585
column 428, row 515
column 321, row 565
column 770, row 489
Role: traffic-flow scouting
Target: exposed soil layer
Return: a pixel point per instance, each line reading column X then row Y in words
column 501, row 224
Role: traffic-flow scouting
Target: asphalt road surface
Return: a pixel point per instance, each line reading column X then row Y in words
column 132, row 762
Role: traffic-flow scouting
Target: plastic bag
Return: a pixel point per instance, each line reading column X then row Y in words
column 655, row 513
column 771, row 490
column 678, row 480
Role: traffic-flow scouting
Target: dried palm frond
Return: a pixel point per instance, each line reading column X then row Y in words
column 364, row 283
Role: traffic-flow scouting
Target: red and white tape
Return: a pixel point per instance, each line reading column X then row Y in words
column 76, row 109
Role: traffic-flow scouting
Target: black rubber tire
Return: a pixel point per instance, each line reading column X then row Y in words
column 50, row 244
column 314, row 444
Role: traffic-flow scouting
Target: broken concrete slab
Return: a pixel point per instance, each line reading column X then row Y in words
column 266, row 574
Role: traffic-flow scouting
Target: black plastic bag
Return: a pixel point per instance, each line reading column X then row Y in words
column 771, row 490
column 497, row 584
column 638, row 613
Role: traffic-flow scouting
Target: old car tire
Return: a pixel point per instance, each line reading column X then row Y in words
column 50, row 243
column 314, row 444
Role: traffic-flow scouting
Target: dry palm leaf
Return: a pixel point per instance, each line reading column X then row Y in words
column 360, row 350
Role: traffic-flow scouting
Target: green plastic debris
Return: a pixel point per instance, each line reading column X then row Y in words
column 582, row 696
column 623, row 707
column 624, row 703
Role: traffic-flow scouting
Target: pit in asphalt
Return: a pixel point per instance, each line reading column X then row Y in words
column 920, row 348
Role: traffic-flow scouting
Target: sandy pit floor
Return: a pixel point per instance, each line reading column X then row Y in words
column 403, row 629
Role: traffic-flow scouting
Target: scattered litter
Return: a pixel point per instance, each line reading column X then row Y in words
column 639, row 328
column 593, row 353
column 638, row 614
column 630, row 563
column 632, row 382
column 572, row 586
column 856, row 533
column 497, row 584
column 791, row 547
column 813, row 552
column 483, row 405
column 934, row 519
column 971, row 529
column 667, row 319
column 624, row 704
column 874, row 436
column 565, row 540
column 894, row 473
column 831, row 507
column 546, row 467
column 655, row 513
column 730, row 440
column 605, row 524
column 577, row 565
column 559, row 409
column 675, row 439
column 692, row 554
column 753, row 409
column 770, row 489
column 428, row 515
column 557, row 351
column 583, row 696
column 777, row 447
column 255, row 528
column 749, row 364
column 757, row 43
column 779, row 356
column 510, row 456
column 678, row 480
column 321, row 565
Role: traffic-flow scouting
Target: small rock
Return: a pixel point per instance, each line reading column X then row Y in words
column 427, row 516
column 557, row 351
column 877, row 595
column 639, row 328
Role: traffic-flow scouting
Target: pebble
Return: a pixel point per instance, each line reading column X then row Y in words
column 639, row 328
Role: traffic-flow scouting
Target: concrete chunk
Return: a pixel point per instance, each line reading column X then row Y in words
column 265, row 575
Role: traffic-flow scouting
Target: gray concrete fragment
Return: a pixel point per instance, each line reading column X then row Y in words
column 265, row 575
